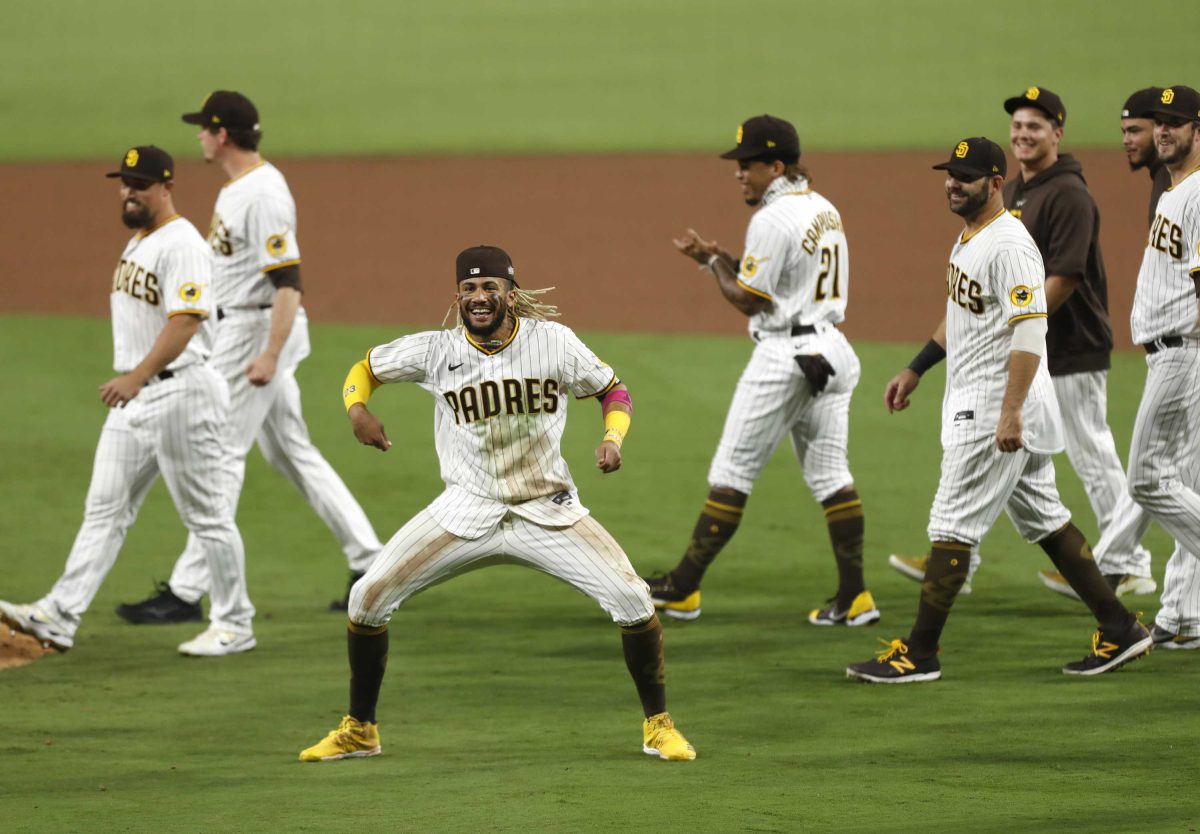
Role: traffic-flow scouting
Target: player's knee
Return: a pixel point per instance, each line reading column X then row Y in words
column 363, row 604
column 1145, row 489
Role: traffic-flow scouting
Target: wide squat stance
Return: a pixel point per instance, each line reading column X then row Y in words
column 792, row 282
column 501, row 381
column 168, row 414
column 261, row 340
column 1000, row 426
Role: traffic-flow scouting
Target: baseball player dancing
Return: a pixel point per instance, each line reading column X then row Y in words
column 501, row 382
column 792, row 282
column 1164, row 455
column 168, row 414
column 261, row 339
column 1000, row 426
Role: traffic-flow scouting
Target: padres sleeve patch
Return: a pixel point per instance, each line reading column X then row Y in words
column 277, row 245
column 1021, row 295
column 190, row 292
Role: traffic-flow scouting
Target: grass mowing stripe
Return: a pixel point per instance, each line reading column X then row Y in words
column 507, row 707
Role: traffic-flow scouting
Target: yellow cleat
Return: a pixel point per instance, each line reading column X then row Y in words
column 660, row 738
column 862, row 612
column 351, row 740
column 687, row 608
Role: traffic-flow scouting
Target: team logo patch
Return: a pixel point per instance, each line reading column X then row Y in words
column 749, row 266
column 1168, row 96
column 739, row 135
column 131, row 158
column 1021, row 295
column 961, row 150
column 190, row 292
column 1032, row 93
column 277, row 245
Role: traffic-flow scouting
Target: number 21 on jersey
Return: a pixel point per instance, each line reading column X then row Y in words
column 831, row 263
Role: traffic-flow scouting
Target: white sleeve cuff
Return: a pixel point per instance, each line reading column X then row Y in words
column 1029, row 335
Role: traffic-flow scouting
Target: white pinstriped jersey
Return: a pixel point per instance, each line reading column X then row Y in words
column 796, row 256
column 995, row 278
column 1165, row 301
column 253, row 231
column 499, row 419
column 163, row 272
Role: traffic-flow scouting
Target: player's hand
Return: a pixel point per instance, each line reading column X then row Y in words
column 816, row 370
column 120, row 390
column 367, row 428
column 261, row 369
column 608, row 457
column 895, row 396
column 1008, row 432
column 696, row 247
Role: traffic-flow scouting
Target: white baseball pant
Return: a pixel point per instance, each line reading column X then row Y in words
column 423, row 553
column 177, row 427
column 271, row 414
column 773, row 398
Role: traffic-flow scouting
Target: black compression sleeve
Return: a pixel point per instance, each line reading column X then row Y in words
column 929, row 356
column 286, row 276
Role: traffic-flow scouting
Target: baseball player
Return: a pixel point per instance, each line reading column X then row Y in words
column 168, row 413
column 1137, row 139
column 502, row 381
column 1164, row 454
column 792, row 282
column 1000, row 426
column 261, row 339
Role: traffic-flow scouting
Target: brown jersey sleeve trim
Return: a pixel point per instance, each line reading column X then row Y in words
column 611, row 385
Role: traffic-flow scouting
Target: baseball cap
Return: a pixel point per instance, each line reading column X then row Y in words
column 146, row 162
column 975, row 157
column 1178, row 101
column 1140, row 104
column 767, row 138
column 1043, row 100
column 484, row 262
column 224, row 108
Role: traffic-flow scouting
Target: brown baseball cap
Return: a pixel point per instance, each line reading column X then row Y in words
column 484, row 262
column 766, row 138
column 225, row 108
column 975, row 157
column 146, row 162
column 1141, row 104
column 1178, row 101
column 1043, row 100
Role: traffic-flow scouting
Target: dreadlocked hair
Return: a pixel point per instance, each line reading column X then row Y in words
column 526, row 305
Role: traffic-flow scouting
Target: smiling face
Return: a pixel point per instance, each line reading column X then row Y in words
column 1137, row 139
column 142, row 202
column 967, row 197
column 483, row 304
column 1034, row 138
column 1175, row 139
column 755, row 176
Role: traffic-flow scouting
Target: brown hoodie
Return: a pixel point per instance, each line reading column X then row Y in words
column 1059, row 212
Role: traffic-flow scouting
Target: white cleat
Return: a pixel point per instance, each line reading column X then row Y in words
column 38, row 624
column 215, row 642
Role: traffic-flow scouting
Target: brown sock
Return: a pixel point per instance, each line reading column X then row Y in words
column 1069, row 552
column 717, row 523
column 944, row 576
column 368, row 648
column 844, row 516
column 643, row 648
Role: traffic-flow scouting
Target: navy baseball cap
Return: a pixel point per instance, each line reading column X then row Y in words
column 1140, row 105
column 146, row 162
column 766, row 138
column 484, row 262
column 975, row 157
column 1178, row 101
column 1043, row 100
column 227, row 109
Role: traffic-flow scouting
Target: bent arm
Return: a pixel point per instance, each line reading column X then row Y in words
column 747, row 302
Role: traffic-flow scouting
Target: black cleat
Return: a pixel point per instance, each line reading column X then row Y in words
column 895, row 665
column 673, row 601
column 1111, row 652
column 1164, row 639
column 164, row 608
column 343, row 604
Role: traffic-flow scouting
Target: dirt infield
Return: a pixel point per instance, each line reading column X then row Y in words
column 378, row 236
column 17, row 649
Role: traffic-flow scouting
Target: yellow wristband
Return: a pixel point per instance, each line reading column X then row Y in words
column 359, row 385
column 616, row 426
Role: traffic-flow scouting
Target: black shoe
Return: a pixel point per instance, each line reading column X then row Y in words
column 675, row 602
column 1111, row 652
column 163, row 608
column 1164, row 639
column 343, row 604
column 895, row 665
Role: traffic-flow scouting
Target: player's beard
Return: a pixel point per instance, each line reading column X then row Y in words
column 972, row 204
column 1178, row 151
column 498, row 317
column 137, row 216
column 1146, row 158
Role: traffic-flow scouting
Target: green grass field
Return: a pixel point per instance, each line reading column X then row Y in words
column 507, row 706
column 85, row 80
